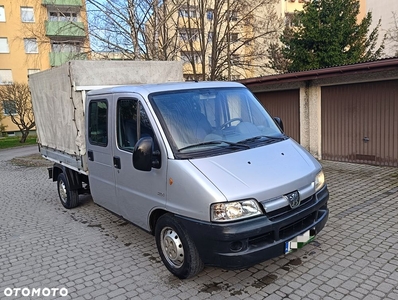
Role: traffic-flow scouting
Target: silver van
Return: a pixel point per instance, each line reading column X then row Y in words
column 204, row 168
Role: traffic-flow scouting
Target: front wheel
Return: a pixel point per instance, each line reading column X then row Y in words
column 176, row 248
column 69, row 198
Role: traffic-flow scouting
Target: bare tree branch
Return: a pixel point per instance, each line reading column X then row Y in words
column 16, row 101
column 204, row 33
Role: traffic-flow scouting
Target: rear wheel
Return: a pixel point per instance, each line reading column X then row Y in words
column 69, row 198
column 176, row 248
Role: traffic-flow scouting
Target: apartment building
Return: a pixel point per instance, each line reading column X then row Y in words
column 196, row 36
column 286, row 8
column 36, row 35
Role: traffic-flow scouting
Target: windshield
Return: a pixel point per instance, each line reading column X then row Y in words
column 214, row 119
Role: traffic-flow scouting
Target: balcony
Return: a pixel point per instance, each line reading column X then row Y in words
column 58, row 58
column 65, row 28
column 62, row 2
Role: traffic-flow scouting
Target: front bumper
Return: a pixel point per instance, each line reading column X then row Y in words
column 245, row 243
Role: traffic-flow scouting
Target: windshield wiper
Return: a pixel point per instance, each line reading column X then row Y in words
column 215, row 143
column 269, row 137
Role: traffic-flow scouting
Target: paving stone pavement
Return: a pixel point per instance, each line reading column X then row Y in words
column 93, row 254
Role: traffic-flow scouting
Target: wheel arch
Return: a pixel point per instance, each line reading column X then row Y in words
column 73, row 177
column 154, row 217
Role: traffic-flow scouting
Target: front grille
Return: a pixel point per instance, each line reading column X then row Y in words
column 301, row 224
column 284, row 211
column 261, row 240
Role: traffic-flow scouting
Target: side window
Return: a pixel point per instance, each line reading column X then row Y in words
column 98, row 123
column 132, row 123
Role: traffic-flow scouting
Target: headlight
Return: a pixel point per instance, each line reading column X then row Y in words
column 231, row 211
column 319, row 181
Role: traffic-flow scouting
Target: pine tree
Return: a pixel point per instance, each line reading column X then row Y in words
column 328, row 33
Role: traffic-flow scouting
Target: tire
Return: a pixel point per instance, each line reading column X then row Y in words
column 69, row 198
column 177, row 250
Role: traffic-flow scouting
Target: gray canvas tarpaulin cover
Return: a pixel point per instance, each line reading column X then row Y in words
column 58, row 100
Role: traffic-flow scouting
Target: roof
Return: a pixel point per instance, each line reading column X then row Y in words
column 146, row 89
column 372, row 66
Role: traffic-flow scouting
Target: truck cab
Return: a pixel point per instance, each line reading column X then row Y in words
column 204, row 168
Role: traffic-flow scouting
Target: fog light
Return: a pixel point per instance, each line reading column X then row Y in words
column 236, row 246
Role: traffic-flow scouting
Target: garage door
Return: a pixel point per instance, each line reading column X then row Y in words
column 286, row 105
column 360, row 123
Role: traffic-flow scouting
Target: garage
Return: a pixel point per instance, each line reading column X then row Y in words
column 285, row 105
column 360, row 123
column 345, row 113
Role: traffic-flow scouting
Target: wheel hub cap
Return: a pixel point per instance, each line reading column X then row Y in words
column 62, row 192
column 172, row 247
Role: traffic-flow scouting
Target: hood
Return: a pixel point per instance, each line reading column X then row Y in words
column 261, row 173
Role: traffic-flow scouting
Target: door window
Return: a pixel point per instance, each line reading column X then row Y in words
column 98, row 123
column 132, row 123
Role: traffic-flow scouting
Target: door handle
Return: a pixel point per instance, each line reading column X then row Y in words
column 366, row 139
column 116, row 162
column 90, row 155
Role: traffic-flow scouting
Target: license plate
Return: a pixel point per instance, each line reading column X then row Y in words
column 299, row 241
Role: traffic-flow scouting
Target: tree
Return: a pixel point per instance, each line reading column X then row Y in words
column 133, row 28
column 276, row 60
column 216, row 38
column 328, row 33
column 16, row 102
column 2, row 127
column 226, row 38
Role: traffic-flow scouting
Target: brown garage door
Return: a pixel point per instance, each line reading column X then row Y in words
column 360, row 123
column 286, row 105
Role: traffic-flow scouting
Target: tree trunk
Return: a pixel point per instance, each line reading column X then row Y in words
column 24, row 136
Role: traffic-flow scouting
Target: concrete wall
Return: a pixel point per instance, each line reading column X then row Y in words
column 310, row 119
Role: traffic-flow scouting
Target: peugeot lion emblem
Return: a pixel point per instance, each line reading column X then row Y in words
column 293, row 198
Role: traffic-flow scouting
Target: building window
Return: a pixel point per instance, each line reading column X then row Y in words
column 187, row 12
column 289, row 19
column 74, row 47
column 9, row 107
column 33, row 71
column 30, row 46
column 2, row 14
column 233, row 37
column 210, row 14
column 235, row 59
column 190, row 57
column 5, row 76
column 4, row 45
column 190, row 77
column 210, row 36
column 233, row 16
column 63, row 16
column 27, row 14
column 188, row 34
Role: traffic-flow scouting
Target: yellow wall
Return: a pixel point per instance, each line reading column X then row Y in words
column 289, row 6
column 15, row 30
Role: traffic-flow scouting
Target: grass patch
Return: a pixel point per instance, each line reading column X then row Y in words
column 11, row 142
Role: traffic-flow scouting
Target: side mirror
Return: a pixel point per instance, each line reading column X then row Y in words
column 143, row 155
column 279, row 122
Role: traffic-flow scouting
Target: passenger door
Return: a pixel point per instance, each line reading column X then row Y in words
column 138, row 192
column 99, row 152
